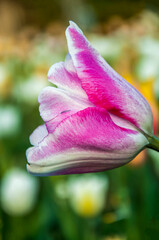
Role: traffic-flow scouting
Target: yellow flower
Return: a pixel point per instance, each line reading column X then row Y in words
column 87, row 194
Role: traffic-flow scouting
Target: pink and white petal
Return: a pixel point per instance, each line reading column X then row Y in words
column 87, row 141
column 76, row 162
column 121, row 122
column 64, row 79
column 68, row 64
column 53, row 101
column 105, row 87
column 38, row 135
column 53, row 123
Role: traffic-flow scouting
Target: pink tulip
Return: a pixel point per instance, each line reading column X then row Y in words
column 94, row 121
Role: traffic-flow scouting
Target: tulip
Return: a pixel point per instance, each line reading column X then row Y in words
column 87, row 194
column 94, row 120
column 18, row 192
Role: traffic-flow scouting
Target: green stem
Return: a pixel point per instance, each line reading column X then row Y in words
column 153, row 143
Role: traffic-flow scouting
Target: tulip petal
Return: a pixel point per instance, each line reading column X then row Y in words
column 105, row 87
column 53, row 123
column 69, row 66
column 38, row 135
column 54, row 101
column 64, row 76
column 87, row 141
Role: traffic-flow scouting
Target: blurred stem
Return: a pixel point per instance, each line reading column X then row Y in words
column 153, row 143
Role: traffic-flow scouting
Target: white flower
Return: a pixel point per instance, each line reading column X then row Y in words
column 87, row 194
column 148, row 64
column 147, row 68
column 109, row 47
column 10, row 120
column 28, row 91
column 18, row 192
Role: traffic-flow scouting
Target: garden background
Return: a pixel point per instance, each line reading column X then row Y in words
column 120, row 204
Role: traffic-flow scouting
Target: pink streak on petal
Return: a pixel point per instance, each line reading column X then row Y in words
column 83, row 136
column 53, row 123
column 105, row 87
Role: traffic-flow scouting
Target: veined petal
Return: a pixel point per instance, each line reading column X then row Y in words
column 54, row 101
column 87, row 141
column 105, row 87
column 53, row 123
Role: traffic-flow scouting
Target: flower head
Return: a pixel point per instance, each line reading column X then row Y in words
column 94, row 120
column 18, row 193
column 87, row 194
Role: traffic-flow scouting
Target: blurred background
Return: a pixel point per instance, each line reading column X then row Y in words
column 119, row 204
